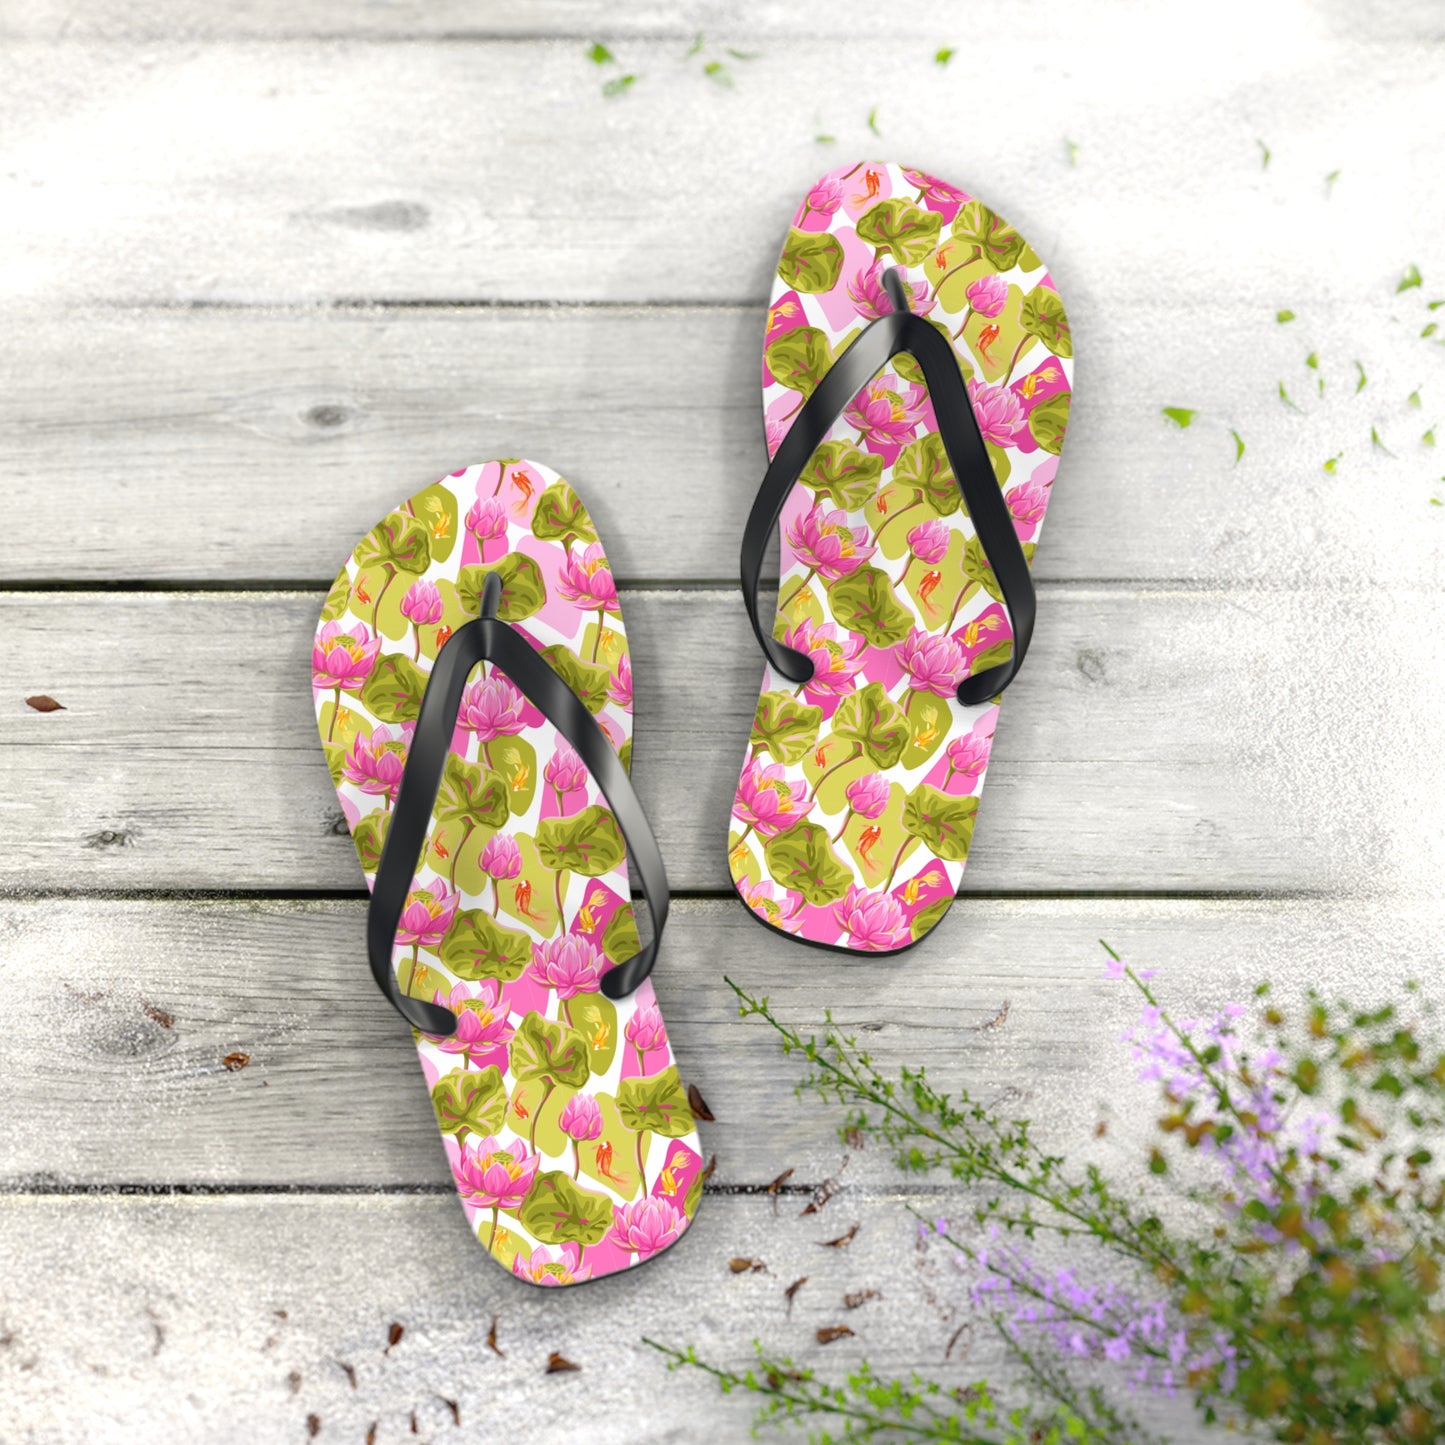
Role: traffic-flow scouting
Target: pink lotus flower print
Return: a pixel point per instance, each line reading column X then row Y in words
column 1026, row 504
column 565, row 770
column 835, row 663
column 501, row 857
column 824, row 199
column 422, row 605
column 646, row 1226
column 569, row 964
column 427, row 915
column 930, row 188
column 869, row 298
column 586, row 579
column 871, row 920
column 767, row 801
column 998, row 412
column 491, row 708
column 342, row 656
column 933, row 662
column 487, row 520
column 581, row 1118
column 645, row 1030
column 929, row 540
column 967, row 758
column 545, row 1268
column 887, row 411
column 826, row 544
column 987, row 295
column 619, row 685
column 492, row 1177
column 375, row 764
column 868, row 796
column 481, row 1021
column 777, row 905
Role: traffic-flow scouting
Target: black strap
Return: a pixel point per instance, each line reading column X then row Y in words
column 880, row 341
column 488, row 639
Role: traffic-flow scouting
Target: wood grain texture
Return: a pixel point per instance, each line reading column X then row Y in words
column 230, row 1319
column 255, row 445
column 1158, row 740
column 236, row 171
column 144, row 999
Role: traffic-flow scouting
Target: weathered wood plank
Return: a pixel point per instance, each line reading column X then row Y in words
column 128, row 1318
column 224, row 445
column 122, row 1011
column 235, row 171
column 1157, row 740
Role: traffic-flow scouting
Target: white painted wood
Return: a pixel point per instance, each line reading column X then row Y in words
column 120, row 1013
column 256, row 445
column 1158, row 740
column 131, row 1318
column 179, row 171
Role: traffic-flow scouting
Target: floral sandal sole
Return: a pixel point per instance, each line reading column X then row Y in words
column 567, row 1128
column 909, row 510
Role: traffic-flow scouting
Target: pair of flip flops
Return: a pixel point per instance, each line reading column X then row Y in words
column 474, row 695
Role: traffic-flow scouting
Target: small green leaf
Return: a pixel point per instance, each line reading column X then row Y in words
column 694, row 47
column 1330, row 183
column 1409, row 279
column 825, row 140
column 600, row 54
column 1181, row 416
column 715, row 70
column 1283, row 316
column 942, row 57
column 1157, row 1163
column 873, row 121
column 1313, row 361
column 1332, row 465
column 1264, row 155
column 1360, row 384
column 744, row 54
column 1430, row 330
column 1285, row 398
column 1428, row 439
column 1238, row 446
column 1414, row 397
column 1377, row 440
column 618, row 85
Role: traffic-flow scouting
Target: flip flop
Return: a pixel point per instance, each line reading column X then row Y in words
column 474, row 696
column 916, row 385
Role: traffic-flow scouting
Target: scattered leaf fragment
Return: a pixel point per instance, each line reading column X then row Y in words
column 942, row 57
column 454, row 1408
column 859, row 1297
column 349, row 1371
column 1284, row 396
column 1073, row 147
column 1436, row 502
column 842, row 1240
column 600, row 54
column 853, row 1137
column 1283, row 316
column 1332, row 466
column 707, row 1173
column 41, row 703
column 829, row 1333
column 1410, row 278
column 393, row 1337
column 492, row 1344
column 1238, row 445
column 235, row 1062
column 873, row 121
column 1330, row 183
column 414, row 1430
column 371, row 1433
column 777, row 1184
column 157, row 1015
column 618, row 84
column 1181, row 416
column 1264, row 155
column 1313, row 361
column 694, row 47
column 698, row 1105
column 1377, row 440
column 1100, row 1129
column 825, row 140
column 743, row 54
column 1414, row 397
column 996, row 1022
column 313, row 1425
column 792, row 1289
column 821, row 1195
column 294, row 1380
column 739, row 1265
column 1361, row 383
column 1436, row 305
column 965, row 1328
column 1429, row 330
column 560, row 1364
column 1428, row 439
column 715, row 70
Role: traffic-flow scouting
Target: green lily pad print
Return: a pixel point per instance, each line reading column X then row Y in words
column 519, row 905
column 811, row 261
column 856, row 838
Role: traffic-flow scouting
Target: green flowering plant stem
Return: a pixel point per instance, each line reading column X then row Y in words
column 869, row 1407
